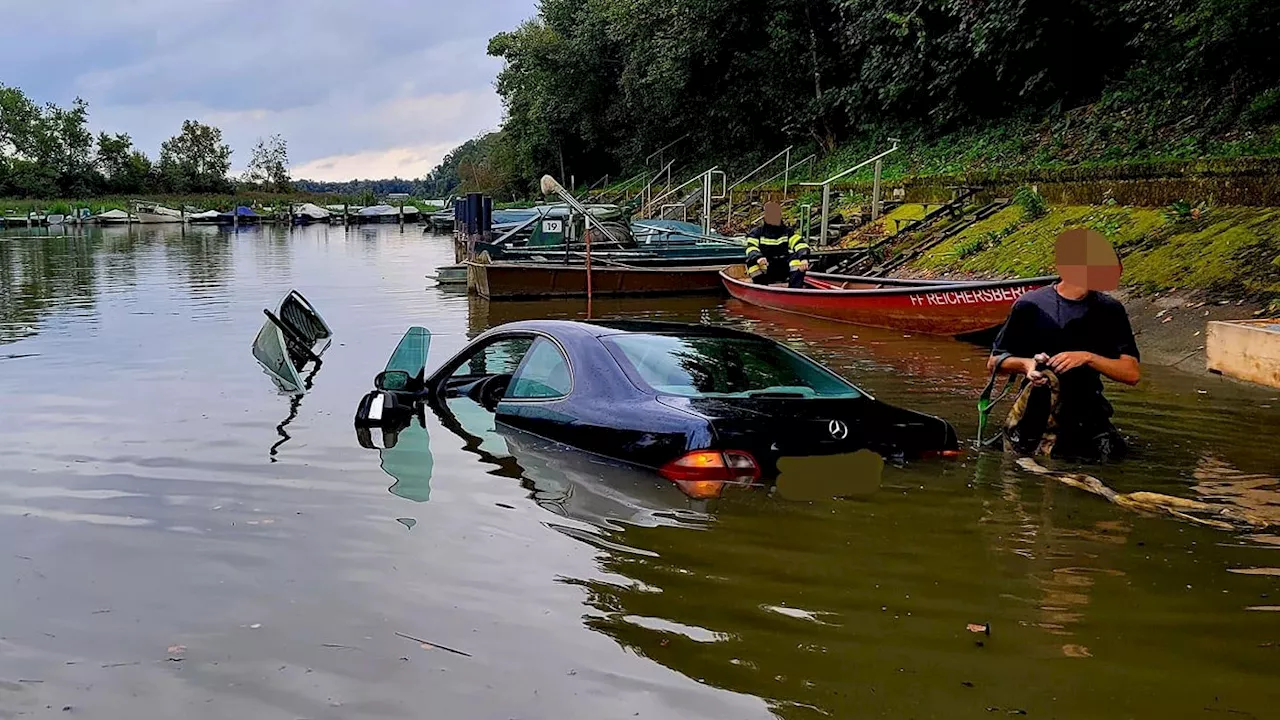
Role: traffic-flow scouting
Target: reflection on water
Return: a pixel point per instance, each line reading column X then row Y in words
column 138, row 510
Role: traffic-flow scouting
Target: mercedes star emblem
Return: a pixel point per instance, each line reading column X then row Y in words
column 838, row 430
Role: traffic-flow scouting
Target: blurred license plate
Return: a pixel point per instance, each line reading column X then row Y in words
column 819, row 477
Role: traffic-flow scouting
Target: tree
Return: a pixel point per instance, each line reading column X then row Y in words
column 482, row 164
column 123, row 168
column 195, row 160
column 269, row 166
column 19, row 117
column 44, row 152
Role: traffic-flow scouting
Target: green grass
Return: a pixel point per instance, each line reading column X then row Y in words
column 1232, row 251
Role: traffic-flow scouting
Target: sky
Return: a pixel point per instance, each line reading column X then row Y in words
column 367, row 89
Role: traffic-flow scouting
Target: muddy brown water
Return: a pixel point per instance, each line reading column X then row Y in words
column 171, row 547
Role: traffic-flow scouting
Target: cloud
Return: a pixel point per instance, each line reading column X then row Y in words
column 357, row 86
column 405, row 162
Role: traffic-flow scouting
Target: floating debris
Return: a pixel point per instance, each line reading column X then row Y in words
column 1221, row 517
column 428, row 645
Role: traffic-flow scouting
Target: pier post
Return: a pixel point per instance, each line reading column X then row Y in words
column 786, row 176
column 826, row 208
column 875, row 193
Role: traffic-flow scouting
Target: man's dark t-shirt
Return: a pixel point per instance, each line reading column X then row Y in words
column 1042, row 321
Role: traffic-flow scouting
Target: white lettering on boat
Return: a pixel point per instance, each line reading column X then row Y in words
column 971, row 297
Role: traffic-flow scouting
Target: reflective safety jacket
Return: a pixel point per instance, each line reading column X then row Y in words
column 776, row 243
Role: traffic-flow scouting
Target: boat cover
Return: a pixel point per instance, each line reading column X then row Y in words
column 312, row 211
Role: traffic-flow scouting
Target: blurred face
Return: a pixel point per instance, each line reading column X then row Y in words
column 772, row 213
column 1086, row 259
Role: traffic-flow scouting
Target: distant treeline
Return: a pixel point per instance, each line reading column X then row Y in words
column 593, row 88
column 371, row 188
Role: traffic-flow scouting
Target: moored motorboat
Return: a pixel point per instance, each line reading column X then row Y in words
column 240, row 216
column 153, row 214
column 308, row 213
column 526, row 280
column 113, row 217
column 206, row 217
column 387, row 214
column 934, row 307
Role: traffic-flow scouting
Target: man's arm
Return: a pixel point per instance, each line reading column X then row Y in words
column 1017, row 366
column 1013, row 341
column 1123, row 367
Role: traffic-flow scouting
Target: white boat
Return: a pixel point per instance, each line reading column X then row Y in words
column 387, row 213
column 153, row 214
column 310, row 213
column 113, row 217
column 208, row 216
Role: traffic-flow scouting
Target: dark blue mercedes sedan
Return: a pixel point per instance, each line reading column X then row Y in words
column 702, row 406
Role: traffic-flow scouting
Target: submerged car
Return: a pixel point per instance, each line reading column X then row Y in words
column 702, row 406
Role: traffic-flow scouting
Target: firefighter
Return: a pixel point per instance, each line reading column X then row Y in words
column 775, row 252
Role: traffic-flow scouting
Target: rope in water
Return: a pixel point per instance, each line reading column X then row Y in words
column 1221, row 517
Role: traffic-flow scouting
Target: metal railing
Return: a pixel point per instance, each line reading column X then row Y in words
column 875, row 195
column 700, row 177
column 660, row 152
column 646, row 193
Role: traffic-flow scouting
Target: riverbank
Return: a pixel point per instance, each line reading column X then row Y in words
column 1183, row 266
column 224, row 202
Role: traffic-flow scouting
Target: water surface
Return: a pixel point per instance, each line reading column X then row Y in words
column 181, row 540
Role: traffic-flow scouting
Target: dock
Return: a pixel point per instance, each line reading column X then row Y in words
column 1245, row 349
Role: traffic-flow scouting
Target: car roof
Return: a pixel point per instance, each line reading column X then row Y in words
column 603, row 328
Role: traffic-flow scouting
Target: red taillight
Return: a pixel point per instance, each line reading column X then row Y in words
column 703, row 473
column 942, row 453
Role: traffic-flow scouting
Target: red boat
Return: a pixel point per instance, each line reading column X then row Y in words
column 499, row 281
column 934, row 307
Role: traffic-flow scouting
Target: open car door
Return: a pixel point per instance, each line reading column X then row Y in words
column 398, row 389
column 290, row 338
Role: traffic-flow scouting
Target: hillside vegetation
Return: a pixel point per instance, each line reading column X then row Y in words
column 1231, row 252
column 594, row 87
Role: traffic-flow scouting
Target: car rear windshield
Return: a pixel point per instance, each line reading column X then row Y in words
column 724, row 367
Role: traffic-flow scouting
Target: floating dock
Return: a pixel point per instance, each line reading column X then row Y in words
column 1245, row 350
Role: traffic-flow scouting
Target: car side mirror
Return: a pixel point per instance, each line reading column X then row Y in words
column 392, row 381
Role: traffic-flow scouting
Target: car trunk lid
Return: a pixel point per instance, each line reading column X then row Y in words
column 775, row 426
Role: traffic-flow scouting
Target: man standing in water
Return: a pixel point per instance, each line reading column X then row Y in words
column 1081, row 334
column 775, row 252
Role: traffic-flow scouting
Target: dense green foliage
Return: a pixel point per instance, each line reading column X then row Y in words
column 49, row 152
column 269, row 165
column 595, row 86
column 195, row 160
column 482, row 163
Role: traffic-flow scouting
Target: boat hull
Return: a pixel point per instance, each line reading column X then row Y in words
column 145, row 218
column 528, row 280
column 948, row 309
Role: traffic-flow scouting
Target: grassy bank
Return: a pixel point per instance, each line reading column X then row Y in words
column 1227, row 252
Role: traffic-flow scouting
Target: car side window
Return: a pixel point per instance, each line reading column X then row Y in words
column 545, row 374
column 501, row 357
